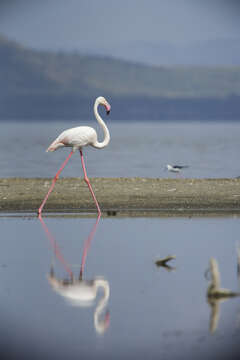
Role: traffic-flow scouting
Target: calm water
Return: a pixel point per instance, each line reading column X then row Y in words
column 73, row 288
column 136, row 149
column 150, row 311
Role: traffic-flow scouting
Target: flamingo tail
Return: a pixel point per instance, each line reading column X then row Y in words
column 56, row 144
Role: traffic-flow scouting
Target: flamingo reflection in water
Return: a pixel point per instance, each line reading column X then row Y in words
column 77, row 291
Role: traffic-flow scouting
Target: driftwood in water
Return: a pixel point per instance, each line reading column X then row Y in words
column 214, row 290
column 215, row 294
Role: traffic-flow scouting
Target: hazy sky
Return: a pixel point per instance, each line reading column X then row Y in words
column 92, row 24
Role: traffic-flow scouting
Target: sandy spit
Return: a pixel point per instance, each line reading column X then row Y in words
column 123, row 195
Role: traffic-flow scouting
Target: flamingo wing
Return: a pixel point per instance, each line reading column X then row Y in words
column 76, row 137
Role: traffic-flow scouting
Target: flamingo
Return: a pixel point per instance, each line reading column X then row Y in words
column 82, row 293
column 77, row 138
column 77, row 291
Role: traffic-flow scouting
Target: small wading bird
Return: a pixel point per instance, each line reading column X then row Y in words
column 77, row 138
column 175, row 168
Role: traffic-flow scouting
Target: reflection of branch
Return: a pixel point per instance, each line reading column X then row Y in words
column 215, row 314
column 163, row 262
column 215, row 294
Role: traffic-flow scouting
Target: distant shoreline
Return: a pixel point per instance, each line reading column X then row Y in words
column 57, row 85
column 35, row 108
column 124, row 196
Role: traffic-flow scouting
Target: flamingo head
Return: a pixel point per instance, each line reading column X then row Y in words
column 102, row 101
column 106, row 321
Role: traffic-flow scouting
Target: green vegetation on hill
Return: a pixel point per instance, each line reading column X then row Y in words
column 37, row 82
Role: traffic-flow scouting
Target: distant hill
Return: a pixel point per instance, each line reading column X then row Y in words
column 214, row 52
column 39, row 84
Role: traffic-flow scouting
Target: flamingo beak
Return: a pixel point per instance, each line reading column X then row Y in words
column 108, row 108
column 107, row 320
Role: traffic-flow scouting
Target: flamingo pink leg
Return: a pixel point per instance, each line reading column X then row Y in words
column 53, row 183
column 88, row 183
column 56, row 248
column 87, row 245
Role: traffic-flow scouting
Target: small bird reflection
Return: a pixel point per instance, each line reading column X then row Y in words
column 77, row 291
column 163, row 263
column 216, row 295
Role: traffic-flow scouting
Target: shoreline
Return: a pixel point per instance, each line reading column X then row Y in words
column 119, row 196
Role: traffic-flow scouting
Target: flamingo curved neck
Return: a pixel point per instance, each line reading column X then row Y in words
column 106, row 139
column 105, row 285
column 100, row 325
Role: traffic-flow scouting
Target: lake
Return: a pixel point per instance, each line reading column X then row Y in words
column 138, row 309
column 75, row 288
column 136, row 149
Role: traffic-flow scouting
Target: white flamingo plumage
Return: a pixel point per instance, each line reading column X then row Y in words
column 77, row 138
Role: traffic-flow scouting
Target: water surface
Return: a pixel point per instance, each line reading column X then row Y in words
column 150, row 311
column 136, row 149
